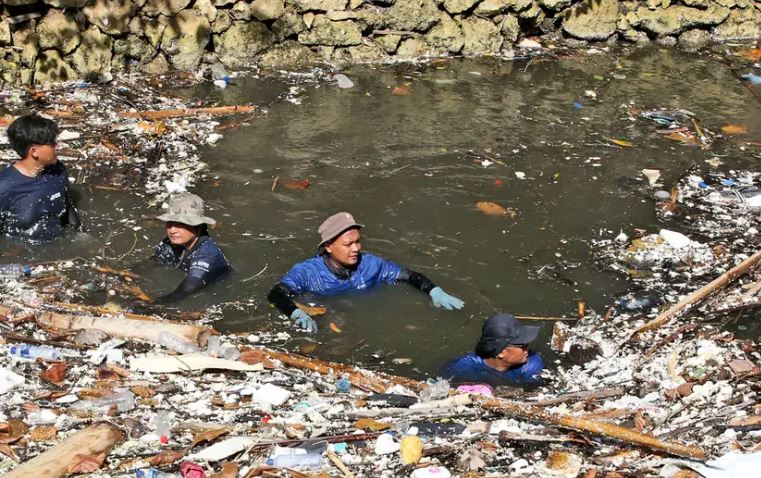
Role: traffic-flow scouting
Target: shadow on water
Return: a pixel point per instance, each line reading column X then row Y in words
column 412, row 169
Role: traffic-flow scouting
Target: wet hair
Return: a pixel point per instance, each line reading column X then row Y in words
column 31, row 129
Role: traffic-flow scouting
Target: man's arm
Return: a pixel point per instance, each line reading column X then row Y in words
column 71, row 216
column 416, row 280
column 281, row 296
column 188, row 286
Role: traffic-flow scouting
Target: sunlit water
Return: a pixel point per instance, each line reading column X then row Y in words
column 412, row 168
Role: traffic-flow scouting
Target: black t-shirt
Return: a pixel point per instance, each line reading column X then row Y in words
column 32, row 208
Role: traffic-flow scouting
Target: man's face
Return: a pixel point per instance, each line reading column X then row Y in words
column 514, row 355
column 345, row 248
column 180, row 234
column 45, row 154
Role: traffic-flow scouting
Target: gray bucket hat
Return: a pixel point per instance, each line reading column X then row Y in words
column 186, row 208
column 336, row 224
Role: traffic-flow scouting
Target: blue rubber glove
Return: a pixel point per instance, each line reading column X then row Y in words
column 755, row 79
column 303, row 320
column 444, row 300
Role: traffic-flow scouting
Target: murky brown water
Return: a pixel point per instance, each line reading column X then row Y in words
column 411, row 168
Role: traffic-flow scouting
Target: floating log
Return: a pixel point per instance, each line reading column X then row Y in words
column 54, row 463
column 700, row 294
column 586, row 396
column 498, row 405
column 125, row 328
column 214, row 110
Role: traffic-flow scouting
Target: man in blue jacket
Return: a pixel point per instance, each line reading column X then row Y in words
column 189, row 247
column 340, row 266
column 35, row 203
column 501, row 357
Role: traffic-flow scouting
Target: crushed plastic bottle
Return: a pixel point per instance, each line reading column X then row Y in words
column 124, row 401
column 14, row 271
column 163, row 427
column 33, row 352
column 343, row 385
column 435, row 390
column 283, row 457
column 172, row 342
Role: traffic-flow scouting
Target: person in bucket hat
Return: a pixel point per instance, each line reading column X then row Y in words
column 189, row 247
column 501, row 357
column 341, row 266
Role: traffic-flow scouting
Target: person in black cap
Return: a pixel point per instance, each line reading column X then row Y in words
column 501, row 357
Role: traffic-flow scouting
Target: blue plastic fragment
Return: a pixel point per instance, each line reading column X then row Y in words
column 728, row 182
column 577, row 105
column 755, row 79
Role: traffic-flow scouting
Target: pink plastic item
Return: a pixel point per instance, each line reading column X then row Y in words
column 191, row 470
column 477, row 389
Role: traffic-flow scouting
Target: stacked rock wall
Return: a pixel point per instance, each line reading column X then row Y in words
column 59, row 40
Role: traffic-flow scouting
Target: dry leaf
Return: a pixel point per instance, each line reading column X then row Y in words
column 166, row 457
column 733, row 129
column 402, row 90
column 494, row 209
column 4, row 428
column 143, row 392
column 16, row 429
column 86, row 463
column 229, row 470
column 307, row 348
column 752, row 54
column 621, row 142
column 686, row 474
column 253, row 357
column 137, row 292
column 8, row 451
column 106, row 374
column 640, row 423
column 332, row 326
column 156, row 128
column 31, row 407
column 370, row 424
column 312, row 311
column 45, row 433
column 208, row 435
column 55, row 373
column 293, row 183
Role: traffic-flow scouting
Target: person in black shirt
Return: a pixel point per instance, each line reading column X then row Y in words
column 189, row 247
column 35, row 203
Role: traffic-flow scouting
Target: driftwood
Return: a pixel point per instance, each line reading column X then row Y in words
column 501, row 406
column 533, row 317
column 700, row 294
column 125, row 328
column 215, row 110
column 54, row 463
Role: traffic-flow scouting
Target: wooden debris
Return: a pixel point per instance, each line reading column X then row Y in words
column 214, row 110
column 57, row 462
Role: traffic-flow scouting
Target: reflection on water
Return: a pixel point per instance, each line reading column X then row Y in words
column 412, row 169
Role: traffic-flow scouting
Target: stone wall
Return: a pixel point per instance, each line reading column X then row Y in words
column 58, row 40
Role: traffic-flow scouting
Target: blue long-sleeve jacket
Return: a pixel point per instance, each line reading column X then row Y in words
column 314, row 275
column 470, row 368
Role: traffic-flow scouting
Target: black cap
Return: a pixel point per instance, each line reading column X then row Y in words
column 501, row 330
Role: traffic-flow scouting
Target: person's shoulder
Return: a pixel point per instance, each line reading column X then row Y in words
column 7, row 173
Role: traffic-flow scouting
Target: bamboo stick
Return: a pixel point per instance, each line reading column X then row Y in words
column 699, row 295
column 214, row 110
column 54, row 463
column 125, row 328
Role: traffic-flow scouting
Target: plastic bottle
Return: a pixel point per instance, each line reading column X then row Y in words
column 33, row 351
column 301, row 460
column 14, row 271
column 124, row 401
column 154, row 473
column 162, row 425
column 435, row 390
column 172, row 342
